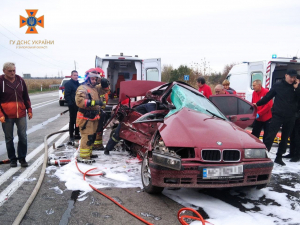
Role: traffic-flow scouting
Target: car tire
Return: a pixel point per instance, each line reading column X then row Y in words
column 146, row 178
column 61, row 103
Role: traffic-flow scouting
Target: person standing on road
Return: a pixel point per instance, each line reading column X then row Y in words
column 88, row 101
column 287, row 94
column 70, row 91
column 264, row 114
column 98, row 144
column 203, row 87
column 295, row 137
column 14, row 100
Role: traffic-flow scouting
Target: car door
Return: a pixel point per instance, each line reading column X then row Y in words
column 233, row 105
column 151, row 69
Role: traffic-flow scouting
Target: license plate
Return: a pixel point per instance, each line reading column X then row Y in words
column 223, row 172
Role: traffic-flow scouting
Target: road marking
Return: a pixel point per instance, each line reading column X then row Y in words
column 7, row 192
column 43, row 102
column 4, row 177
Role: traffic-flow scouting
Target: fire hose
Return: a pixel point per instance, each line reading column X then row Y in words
column 25, row 208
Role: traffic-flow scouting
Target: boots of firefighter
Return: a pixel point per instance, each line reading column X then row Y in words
column 91, row 153
column 98, row 144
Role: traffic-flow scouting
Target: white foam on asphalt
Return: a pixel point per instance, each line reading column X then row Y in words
column 119, row 173
column 271, row 207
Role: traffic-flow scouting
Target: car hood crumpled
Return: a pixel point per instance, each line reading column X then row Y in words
column 189, row 128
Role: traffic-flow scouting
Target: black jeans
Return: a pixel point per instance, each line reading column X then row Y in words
column 287, row 124
column 295, row 139
column 258, row 126
column 72, row 123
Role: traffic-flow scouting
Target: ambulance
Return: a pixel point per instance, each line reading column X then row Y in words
column 269, row 72
column 118, row 68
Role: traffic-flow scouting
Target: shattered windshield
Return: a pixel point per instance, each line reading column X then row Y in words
column 182, row 97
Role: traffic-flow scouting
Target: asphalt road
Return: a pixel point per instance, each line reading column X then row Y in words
column 55, row 204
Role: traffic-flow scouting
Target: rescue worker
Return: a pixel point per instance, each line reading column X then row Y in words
column 88, row 102
column 98, row 144
column 264, row 114
column 287, row 94
column 203, row 87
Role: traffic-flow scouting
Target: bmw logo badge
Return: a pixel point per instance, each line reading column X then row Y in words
column 219, row 142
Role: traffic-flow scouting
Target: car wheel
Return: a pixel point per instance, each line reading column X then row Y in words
column 146, row 178
column 61, row 103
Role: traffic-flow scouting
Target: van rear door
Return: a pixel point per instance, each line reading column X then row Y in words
column 232, row 105
column 98, row 62
column 152, row 69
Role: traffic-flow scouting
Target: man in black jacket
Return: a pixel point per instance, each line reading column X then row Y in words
column 70, row 91
column 295, row 137
column 287, row 94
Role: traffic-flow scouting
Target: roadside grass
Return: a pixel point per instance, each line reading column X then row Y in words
column 34, row 85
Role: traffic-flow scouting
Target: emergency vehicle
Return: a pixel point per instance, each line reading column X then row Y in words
column 269, row 72
column 118, row 68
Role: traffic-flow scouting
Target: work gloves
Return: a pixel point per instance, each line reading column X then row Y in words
column 104, row 83
column 93, row 103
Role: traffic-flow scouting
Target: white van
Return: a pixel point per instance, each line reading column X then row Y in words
column 118, row 68
column 269, row 72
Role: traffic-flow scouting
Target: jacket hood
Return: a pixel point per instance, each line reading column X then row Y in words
column 189, row 128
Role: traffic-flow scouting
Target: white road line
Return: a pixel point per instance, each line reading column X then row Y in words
column 42, row 102
column 4, row 177
column 45, row 104
column 7, row 192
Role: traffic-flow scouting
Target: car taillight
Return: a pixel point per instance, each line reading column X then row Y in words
column 61, row 88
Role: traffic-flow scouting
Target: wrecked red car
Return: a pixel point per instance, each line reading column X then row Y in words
column 187, row 141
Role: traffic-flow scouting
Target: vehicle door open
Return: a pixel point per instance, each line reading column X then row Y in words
column 237, row 110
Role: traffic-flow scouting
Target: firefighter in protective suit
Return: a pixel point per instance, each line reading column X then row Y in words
column 98, row 144
column 88, row 102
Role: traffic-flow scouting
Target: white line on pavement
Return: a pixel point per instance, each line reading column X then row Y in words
column 43, row 102
column 4, row 177
column 7, row 192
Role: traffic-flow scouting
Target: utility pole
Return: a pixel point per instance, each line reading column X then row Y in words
column 75, row 64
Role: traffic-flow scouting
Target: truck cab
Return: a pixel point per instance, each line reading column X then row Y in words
column 119, row 68
column 241, row 76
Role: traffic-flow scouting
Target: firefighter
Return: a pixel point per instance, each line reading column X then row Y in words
column 98, row 144
column 88, row 101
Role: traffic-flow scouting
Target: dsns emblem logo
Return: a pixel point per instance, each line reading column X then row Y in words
column 31, row 21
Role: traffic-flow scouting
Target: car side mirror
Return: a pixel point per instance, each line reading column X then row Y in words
column 232, row 118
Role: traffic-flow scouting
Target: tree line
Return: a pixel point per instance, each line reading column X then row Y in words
column 195, row 70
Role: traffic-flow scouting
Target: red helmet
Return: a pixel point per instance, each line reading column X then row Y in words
column 97, row 70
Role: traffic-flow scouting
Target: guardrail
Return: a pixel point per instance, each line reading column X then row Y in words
column 54, row 86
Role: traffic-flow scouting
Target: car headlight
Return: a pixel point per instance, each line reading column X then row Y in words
column 255, row 153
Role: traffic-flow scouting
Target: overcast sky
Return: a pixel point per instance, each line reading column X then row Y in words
column 178, row 32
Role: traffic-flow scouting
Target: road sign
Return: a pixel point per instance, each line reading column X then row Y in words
column 186, row 77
